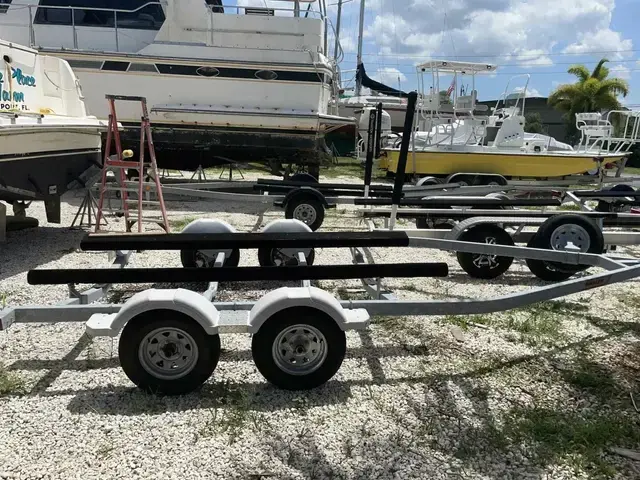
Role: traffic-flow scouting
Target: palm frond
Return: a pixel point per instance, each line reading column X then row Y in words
column 600, row 72
column 579, row 71
column 615, row 86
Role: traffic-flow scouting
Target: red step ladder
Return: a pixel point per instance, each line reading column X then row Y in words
column 119, row 164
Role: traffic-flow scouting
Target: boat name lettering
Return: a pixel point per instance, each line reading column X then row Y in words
column 26, row 80
column 6, row 96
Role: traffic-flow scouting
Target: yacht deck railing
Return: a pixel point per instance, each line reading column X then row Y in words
column 116, row 12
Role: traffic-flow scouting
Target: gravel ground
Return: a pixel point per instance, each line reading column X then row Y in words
column 541, row 392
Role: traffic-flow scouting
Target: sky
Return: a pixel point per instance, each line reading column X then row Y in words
column 542, row 38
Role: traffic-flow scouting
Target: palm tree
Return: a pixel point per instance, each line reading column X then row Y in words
column 593, row 92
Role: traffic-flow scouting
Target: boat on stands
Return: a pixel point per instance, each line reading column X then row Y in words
column 48, row 143
column 449, row 138
column 222, row 82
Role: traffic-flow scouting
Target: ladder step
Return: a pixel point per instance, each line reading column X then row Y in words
column 145, row 202
column 122, row 164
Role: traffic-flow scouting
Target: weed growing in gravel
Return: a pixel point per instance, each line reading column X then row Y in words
column 178, row 225
column 630, row 300
column 464, row 322
column 10, row 383
column 540, row 323
column 232, row 414
column 577, row 438
column 104, row 451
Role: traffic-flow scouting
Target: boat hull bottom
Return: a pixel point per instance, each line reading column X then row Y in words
column 45, row 176
column 180, row 148
column 517, row 165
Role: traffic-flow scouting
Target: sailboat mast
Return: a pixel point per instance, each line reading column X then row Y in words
column 338, row 22
column 360, row 34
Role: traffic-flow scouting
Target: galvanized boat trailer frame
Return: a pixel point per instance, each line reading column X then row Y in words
column 169, row 338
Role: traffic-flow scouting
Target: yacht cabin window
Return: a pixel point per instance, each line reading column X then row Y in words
column 4, row 5
column 215, row 6
column 150, row 17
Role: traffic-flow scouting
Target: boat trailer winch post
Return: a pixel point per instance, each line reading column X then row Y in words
column 402, row 159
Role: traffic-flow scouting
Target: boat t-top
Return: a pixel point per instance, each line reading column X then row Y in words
column 449, row 137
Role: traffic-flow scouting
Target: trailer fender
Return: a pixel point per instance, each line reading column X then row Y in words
column 304, row 192
column 289, row 225
column 208, row 225
column 180, row 300
column 312, row 297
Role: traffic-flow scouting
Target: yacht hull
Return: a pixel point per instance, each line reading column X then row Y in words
column 188, row 147
column 507, row 164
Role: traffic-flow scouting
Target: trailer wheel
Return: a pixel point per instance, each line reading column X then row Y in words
column 167, row 352
column 278, row 257
column 545, row 270
column 614, row 206
column 299, row 348
column 428, row 181
column 555, row 234
column 485, row 266
column 307, row 209
column 202, row 259
column 303, row 177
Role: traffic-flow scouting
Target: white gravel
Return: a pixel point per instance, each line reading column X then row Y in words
column 500, row 399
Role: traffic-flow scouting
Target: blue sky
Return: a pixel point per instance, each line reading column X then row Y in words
column 539, row 37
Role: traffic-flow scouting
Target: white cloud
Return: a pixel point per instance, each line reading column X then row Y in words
column 508, row 32
column 620, row 71
column 604, row 40
column 389, row 76
column 531, row 92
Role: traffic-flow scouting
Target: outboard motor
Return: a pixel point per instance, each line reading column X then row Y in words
column 363, row 129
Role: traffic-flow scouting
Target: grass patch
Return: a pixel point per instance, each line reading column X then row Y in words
column 349, row 167
column 464, row 321
column 578, row 439
column 232, row 414
column 632, row 170
column 630, row 300
column 10, row 383
column 571, row 207
column 178, row 225
column 591, row 377
column 346, row 167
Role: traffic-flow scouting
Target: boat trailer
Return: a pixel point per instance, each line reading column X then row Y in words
column 170, row 337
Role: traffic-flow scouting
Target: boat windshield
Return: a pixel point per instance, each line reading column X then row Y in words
column 149, row 17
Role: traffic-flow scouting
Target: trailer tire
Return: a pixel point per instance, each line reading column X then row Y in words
column 613, row 205
column 428, row 181
column 141, row 359
column 303, row 177
column 189, row 259
column 544, row 270
column 267, row 257
column 307, row 209
column 302, row 334
column 485, row 267
column 587, row 233
column 433, row 223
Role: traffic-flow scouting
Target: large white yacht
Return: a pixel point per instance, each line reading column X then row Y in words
column 48, row 143
column 245, row 83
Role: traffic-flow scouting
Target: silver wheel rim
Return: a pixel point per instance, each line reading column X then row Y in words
column 305, row 213
column 570, row 234
column 168, row 353
column 486, row 261
column 299, row 350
